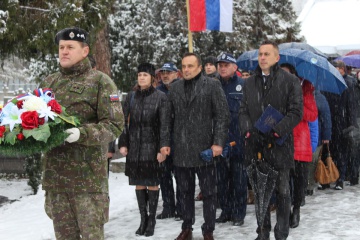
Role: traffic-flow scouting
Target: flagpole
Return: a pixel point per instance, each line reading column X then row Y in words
column 190, row 39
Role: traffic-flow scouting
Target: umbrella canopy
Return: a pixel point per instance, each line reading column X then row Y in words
column 354, row 52
column 310, row 66
column 351, row 60
column 248, row 60
column 301, row 46
column 262, row 178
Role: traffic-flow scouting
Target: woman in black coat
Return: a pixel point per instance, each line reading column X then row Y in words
column 145, row 136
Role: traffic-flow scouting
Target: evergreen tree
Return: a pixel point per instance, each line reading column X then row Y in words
column 283, row 21
column 139, row 31
column 33, row 171
column 31, row 26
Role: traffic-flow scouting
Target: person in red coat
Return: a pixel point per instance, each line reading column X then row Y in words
column 302, row 146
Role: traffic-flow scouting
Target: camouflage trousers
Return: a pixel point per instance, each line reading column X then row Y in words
column 77, row 215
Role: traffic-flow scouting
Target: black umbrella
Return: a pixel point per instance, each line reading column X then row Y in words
column 262, row 179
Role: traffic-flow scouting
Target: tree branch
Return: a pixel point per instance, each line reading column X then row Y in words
column 34, row 8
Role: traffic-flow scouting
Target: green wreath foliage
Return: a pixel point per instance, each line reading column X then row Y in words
column 29, row 146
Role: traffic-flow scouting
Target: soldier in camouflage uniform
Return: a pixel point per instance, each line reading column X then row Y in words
column 75, row 173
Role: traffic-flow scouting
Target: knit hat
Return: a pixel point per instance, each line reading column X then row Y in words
column 210, row 59
column 147, row 67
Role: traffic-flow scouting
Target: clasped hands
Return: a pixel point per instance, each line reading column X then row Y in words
column 164, row 152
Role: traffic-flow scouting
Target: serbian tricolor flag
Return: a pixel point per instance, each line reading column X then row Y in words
column 211, row 15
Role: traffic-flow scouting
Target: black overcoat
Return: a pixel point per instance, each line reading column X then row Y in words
column 146, row 131
column 282, row 91
column 199, row 123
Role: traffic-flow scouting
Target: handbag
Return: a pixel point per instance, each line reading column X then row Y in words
column 326, row 172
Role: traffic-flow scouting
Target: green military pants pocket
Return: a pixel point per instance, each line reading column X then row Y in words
column 78, row 215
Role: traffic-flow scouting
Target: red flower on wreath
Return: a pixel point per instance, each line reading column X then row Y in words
column 20, row 136
column 29, row 120
column 19, row 104
column 2, row 130
column 55, row 106
column 41, row 121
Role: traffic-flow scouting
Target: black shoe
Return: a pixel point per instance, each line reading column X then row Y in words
column 323, row 186
column 309, row 192
column 295, row 218
column 165, row 214
column 178, row 217
column 339, row 185
column 354, row 181
column 238, row 222
column 223, row 218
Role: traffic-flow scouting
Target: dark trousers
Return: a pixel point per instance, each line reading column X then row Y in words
column 299, row 179
column 283, row 205
column 340, row 149
column 232, row 187
column 207, row 183
column 355, row 163
column 167, row 188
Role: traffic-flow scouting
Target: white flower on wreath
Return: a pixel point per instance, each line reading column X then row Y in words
column 11, row 115
column 34, row 103
column 47, row 113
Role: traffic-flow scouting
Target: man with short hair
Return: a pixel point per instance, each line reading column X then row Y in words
column 231, row 172
column 75, row 175
column 271, row 85
column 245, row 74
column 201, row 121
column 169, row 74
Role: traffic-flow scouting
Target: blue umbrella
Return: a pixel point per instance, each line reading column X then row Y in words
column 248, row 60
column 318, row 70
column 301, row 46
column 351, row 60
column 310, row 66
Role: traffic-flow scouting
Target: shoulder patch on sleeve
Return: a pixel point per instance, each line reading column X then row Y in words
column 114, row 98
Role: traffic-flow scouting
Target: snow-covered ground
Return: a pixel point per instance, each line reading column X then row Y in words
column 327, row 215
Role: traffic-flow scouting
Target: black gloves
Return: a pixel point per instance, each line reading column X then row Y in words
column 258, row 141
column 255, row 140
column 271, row 138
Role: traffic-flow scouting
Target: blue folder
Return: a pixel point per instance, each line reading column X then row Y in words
column 268, row 119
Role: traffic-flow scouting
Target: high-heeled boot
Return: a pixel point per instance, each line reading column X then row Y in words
column 141, row 196
column 295, row 218
column 153, row 202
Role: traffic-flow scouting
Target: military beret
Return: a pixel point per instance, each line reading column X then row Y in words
column 147, row 67
column 72, row 33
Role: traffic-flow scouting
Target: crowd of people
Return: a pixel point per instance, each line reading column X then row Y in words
column 169, row 122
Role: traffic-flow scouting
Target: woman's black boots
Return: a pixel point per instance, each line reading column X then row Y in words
column 141, row 196
column 153, row 202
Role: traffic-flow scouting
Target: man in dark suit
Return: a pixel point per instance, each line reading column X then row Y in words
column 270, row 85
column 201, row 121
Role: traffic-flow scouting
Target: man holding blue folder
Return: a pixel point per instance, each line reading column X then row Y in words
column 270, row 85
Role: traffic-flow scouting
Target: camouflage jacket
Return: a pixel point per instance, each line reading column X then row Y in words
column 88, row 94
